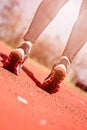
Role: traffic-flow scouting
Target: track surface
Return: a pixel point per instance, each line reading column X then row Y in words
column 25, row 106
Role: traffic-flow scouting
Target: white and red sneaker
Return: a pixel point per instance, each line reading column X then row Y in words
column 17, row 57
column 52, row 83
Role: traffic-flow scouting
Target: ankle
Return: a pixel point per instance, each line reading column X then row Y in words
column 26, row 46
column 63, row 61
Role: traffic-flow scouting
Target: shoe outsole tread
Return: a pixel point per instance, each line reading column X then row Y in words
column 14, row 59
column 52, row 85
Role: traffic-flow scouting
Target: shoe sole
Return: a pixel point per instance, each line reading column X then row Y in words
column 13, row 60
column 52, row 86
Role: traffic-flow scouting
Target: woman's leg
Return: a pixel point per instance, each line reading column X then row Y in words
column 77, row 39
column 45, row 13
column 78, row 35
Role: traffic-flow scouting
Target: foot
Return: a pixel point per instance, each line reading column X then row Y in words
column 16, row 58
column 57, row 75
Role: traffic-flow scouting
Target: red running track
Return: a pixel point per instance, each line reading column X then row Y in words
column 24, row 106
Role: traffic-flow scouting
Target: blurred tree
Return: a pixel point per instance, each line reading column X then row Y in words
column 47, row 49
column 15, row 15
column 10, row 16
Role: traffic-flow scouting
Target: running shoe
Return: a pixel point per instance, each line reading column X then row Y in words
column 52, row 83
column 16, row 58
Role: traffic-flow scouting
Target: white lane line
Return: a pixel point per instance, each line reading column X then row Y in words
column 22, row 100
column 43, row 122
